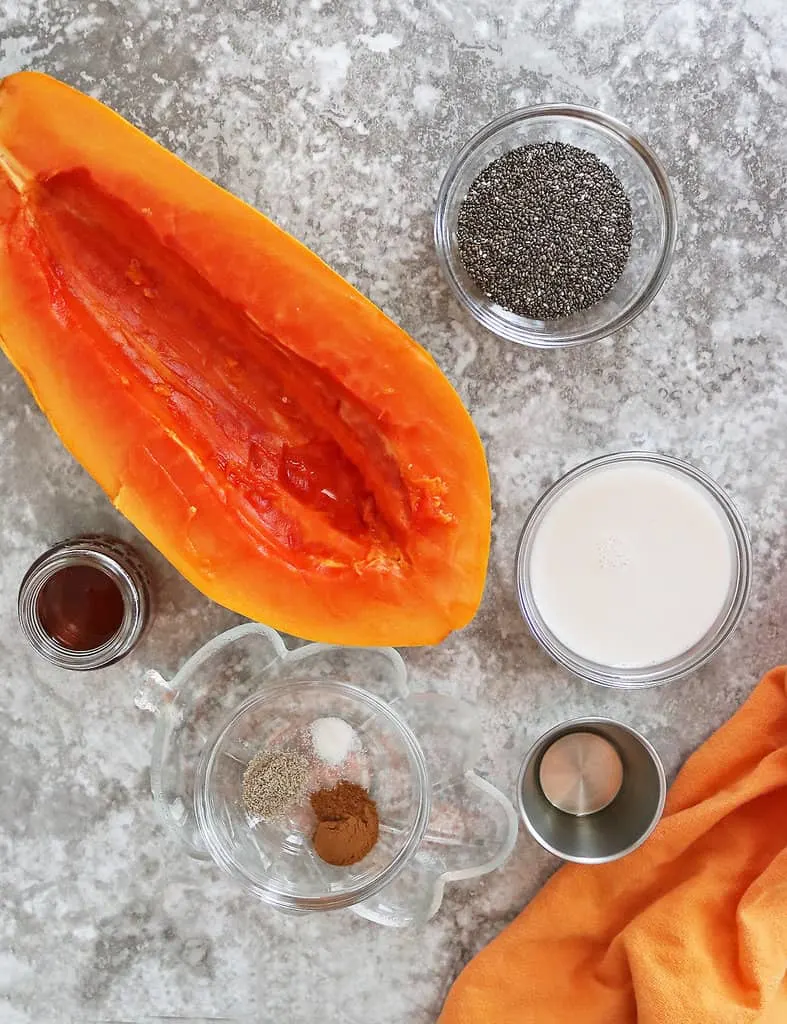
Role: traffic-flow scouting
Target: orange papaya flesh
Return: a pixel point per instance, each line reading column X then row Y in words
column 288, row 448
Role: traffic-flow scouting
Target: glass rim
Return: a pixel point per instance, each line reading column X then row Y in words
column 682, row 664
column 274, row 895
column 516, row 328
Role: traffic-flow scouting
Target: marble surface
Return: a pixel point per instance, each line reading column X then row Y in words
column 338, row 120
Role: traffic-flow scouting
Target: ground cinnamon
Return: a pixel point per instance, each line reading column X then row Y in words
column 348, row 825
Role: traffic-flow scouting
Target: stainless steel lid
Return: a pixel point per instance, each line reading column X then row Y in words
column 581, row 773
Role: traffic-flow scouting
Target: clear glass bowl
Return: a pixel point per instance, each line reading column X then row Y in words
column 652, row 205
column 276, row 860
column 691, row 659
column 237, row 681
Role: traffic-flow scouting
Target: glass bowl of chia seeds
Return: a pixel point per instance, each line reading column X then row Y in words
column 555, row 225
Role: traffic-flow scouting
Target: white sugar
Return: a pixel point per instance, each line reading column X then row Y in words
column 333, row 739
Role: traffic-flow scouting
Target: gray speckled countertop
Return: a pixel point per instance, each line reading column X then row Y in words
column 338, row 120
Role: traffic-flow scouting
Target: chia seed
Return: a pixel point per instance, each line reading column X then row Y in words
column 545, row 230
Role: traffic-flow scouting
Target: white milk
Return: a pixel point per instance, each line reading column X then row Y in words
column 631, row 565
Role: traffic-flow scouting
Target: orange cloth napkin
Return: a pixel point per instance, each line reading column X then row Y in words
column 689, row 929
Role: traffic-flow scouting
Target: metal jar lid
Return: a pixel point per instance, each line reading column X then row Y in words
column 115, row 559
column 581, row 773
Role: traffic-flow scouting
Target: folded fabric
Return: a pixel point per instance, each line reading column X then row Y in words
column 689, row 929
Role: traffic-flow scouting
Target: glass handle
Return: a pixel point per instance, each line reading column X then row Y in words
column 154, row 692
column 448, row 731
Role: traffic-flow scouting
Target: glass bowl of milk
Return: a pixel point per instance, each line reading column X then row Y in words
column 633, row 569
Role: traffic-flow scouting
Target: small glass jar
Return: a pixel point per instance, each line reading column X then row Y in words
column 120, row 566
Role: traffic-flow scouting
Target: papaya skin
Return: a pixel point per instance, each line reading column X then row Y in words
column 290, row 450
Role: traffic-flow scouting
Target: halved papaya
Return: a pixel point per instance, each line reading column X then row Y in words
column 287, row 447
